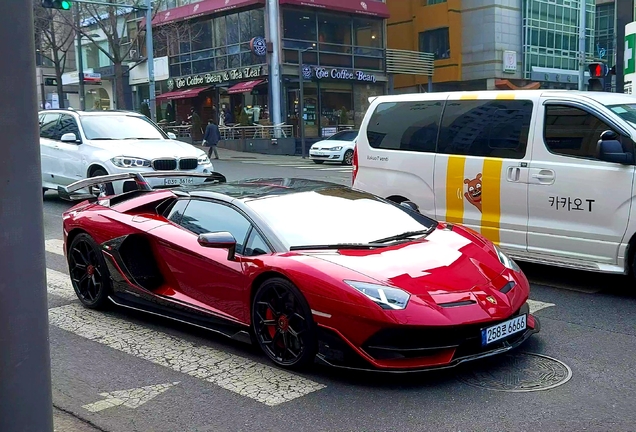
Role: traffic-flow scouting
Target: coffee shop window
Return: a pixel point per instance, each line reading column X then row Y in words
column 436, row 42
column 336, row 103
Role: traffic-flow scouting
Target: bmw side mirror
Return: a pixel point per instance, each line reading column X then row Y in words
column 219, row 240
column 410, row 205
column 611, row 150
column 69, row 138
column 171, row 135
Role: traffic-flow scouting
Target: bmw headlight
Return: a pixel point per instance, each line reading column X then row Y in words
column 336, row 148
column 204, row 160
column 384, row 296
column 507, row 261
column 129, row 162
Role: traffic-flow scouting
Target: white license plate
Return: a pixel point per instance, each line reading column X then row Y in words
column 318, row 153
column 505, row 329
column 178, row 181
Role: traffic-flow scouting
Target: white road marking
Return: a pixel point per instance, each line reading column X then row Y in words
column 341, row 169
column 59, row 284
column 132, row 398
column 536, row 306
column 266, row 384
column 54, row 246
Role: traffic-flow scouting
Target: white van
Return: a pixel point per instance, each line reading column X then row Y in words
column 546, row 175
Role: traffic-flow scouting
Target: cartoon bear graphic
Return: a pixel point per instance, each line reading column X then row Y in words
column 474, row 191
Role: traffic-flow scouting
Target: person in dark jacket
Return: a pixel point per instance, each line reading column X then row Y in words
column 212, row 137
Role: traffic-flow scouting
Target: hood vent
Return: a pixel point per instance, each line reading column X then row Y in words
column 457, row 303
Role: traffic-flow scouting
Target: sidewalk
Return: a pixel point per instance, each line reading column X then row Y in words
column 233, row 155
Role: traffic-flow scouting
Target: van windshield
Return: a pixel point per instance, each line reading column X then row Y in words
column 625, row 111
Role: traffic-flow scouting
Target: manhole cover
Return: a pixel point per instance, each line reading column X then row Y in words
column 519, row 372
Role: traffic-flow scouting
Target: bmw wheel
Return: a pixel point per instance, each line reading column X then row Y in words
column 108, row 186
column 283, row 325
column 89, row 274
column 348, row 158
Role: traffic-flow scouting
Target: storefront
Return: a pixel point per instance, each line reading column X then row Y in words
column 217, row 61
column 343, row 56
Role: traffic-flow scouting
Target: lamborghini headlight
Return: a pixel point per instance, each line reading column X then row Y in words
column 507, row 261
column 384, row 296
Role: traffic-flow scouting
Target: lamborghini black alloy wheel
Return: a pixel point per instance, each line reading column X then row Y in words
column 88, row 271
column 282, row 324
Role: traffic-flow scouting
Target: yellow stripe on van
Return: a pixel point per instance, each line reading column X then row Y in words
column 491, row 199
column 454, row 189
column 468, row 97
column 507, row 96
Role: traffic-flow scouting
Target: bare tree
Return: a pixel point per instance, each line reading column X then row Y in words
column 55, row 39
column 123, row 32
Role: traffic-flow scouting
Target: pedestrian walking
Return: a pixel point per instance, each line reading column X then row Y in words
column 212, row 137
column 196, row 129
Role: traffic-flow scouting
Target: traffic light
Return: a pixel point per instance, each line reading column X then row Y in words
column 598, row 71
column 56, row 4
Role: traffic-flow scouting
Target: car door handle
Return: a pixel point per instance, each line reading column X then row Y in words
column 543, row 176
column 513, row 174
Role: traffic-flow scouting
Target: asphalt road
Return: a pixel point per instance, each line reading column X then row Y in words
column 123, row 371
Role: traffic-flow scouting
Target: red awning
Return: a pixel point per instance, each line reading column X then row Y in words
column 363, row 7
column 182, row 94
column 243, row 87
column 204, row 7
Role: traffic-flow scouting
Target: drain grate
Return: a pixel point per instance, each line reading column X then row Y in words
column 519, row 372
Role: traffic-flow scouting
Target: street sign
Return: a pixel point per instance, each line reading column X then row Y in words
column 629, row 55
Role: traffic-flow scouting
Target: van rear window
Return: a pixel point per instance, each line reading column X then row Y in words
column 410, row 126
column 487, row 128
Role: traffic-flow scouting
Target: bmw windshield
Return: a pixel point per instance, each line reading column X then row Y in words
column 120, row 127
column 335, row 216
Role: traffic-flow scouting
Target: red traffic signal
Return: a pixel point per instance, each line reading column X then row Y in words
column 597, row 70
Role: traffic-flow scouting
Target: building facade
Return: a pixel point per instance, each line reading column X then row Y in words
column 499, row 44
column 219, row 59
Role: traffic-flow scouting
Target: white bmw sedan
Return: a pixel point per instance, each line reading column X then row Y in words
column 337, row 148
column 75, row 145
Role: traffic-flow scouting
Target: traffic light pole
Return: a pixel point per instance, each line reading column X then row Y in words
column 25, row 369
column 80, row 61
column 582, row 55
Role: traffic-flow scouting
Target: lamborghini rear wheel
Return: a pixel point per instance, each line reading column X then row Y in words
column 89, row 274
column 283, row 325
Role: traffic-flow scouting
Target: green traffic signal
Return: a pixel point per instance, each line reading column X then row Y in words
column 56, row 4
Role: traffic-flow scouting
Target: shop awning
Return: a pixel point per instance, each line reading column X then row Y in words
column 200, row 8
column 183, row 94
column 244, row 87
column 367, row 7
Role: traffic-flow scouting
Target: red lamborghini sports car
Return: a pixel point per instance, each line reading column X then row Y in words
column 307, row 270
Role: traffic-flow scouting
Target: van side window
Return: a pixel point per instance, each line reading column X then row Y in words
column 408, row 126
column 487, row 128
column 571, row 131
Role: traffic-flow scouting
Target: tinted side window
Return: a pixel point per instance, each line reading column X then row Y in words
column 487, row 128
column 405, row 125
column 175, row 213
column 48, row 126
column 68, row 125
column 571, row 131
column 203, row 217
column 256, row 245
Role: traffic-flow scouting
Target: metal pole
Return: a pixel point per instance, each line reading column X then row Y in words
column 301, row 104
column 151, row 62
column 582, row 54
column 275, row 107
column 42, row 90
column 80, row 61
column 25, row 366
